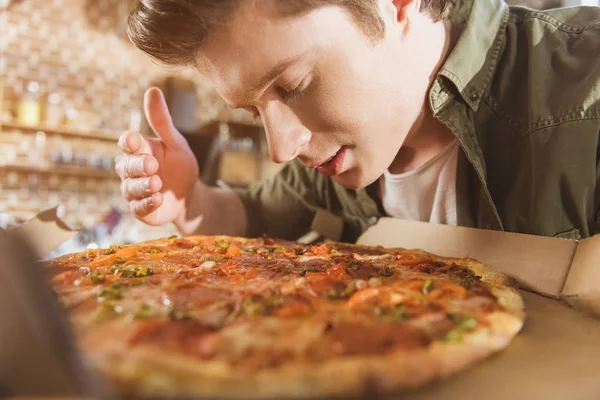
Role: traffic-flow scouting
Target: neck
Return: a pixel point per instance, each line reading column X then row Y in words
column 428, row 136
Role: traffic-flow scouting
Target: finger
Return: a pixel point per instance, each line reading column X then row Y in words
column 159, row 118
column 140, row 188
column 133, row 143
column 138, row 166
column 144, row 207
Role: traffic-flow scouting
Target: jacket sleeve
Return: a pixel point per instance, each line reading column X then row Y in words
column 283, row 205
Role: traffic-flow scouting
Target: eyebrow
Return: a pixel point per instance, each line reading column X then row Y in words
column 273, row 74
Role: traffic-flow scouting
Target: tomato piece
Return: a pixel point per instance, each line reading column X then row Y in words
column 293, row 309
column 338, row 272
column 251, row 273
column 233, row 251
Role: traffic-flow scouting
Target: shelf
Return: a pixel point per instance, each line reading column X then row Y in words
column 62, row 170
column 108, row 135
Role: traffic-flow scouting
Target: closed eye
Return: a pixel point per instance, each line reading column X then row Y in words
column 290, row 96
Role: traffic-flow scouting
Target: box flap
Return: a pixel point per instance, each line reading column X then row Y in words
column 539, row 263
column 46, row 231
column 582, row 288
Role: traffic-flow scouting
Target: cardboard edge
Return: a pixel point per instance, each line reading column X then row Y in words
column 582, row 285
column 46, row 231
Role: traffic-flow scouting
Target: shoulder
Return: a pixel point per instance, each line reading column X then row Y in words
column 548, row 73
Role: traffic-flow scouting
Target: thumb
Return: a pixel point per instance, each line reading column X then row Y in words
column 159, row 118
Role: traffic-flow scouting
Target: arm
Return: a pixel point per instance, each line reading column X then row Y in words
column 212, row 211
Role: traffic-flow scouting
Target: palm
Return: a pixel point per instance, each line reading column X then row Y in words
column 179, row 173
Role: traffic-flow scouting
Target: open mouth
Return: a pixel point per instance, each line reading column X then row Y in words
column 333, row 165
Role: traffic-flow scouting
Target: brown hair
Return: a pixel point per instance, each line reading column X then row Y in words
column 172, row 31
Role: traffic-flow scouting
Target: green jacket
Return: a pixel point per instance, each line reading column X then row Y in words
column 521, row 92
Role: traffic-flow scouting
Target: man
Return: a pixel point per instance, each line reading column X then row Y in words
column 466, row 113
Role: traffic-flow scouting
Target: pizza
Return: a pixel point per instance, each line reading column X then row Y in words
column 227, row 317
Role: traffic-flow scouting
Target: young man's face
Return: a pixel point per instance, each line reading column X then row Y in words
column 326, row 93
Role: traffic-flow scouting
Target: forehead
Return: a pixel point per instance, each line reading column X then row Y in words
column 258, row 39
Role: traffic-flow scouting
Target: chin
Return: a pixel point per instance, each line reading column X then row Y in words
column 355, row 179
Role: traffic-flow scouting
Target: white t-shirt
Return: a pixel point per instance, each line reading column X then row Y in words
column 427, row 193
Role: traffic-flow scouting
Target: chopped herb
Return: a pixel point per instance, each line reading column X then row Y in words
column 306, row 271
column 144, row 312
column 251, row 250
column 119, row 261
column 108, row 252
column 172, row 237
column 397, row 314
column 97, row 278
column 111, row 294
column 463, row 321
column 154, row 251
column 269, row 257
column 212, row 258
column 274, row 301
column 334, row 251
column 222, row 244
column 106, row 311
column 386, row 271
column 116, row 285
column 427, row 286
column 138, row 272
column 279, row 249
column 354, row 265
column 454, row 336
column 344, row 294
column 253, row 308
column 468, row 279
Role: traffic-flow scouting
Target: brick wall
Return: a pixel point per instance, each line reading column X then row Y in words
column 77, row 49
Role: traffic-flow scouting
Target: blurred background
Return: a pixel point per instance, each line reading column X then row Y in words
column 70, row 83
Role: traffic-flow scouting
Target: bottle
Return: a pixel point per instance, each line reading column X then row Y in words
column 29, row 105
column 54, row 113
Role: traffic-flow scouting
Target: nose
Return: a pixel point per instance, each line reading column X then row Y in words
column 286, row 135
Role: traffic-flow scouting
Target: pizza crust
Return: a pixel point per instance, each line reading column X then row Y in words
column 144, row 371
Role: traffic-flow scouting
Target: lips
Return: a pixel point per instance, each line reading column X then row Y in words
column 333, row 165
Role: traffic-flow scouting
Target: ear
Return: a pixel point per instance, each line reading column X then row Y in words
column 406, row 8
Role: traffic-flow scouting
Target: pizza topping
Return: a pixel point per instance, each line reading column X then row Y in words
column 359, row 339
column 192, row 295
column 427, row 286
column 108, row 252
column 110, row 293
column 338, row 272
column 462, row 324
column 222, row 244
column 154, row 251
column 261, row 306
column 97, row 277
column 181, row 335
column 323, row 249
column 144, row 312
column 136, row 272
column 386, row 271
column 362, row 269
column 396, row 314
column 468, row 279
column 334, row 294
